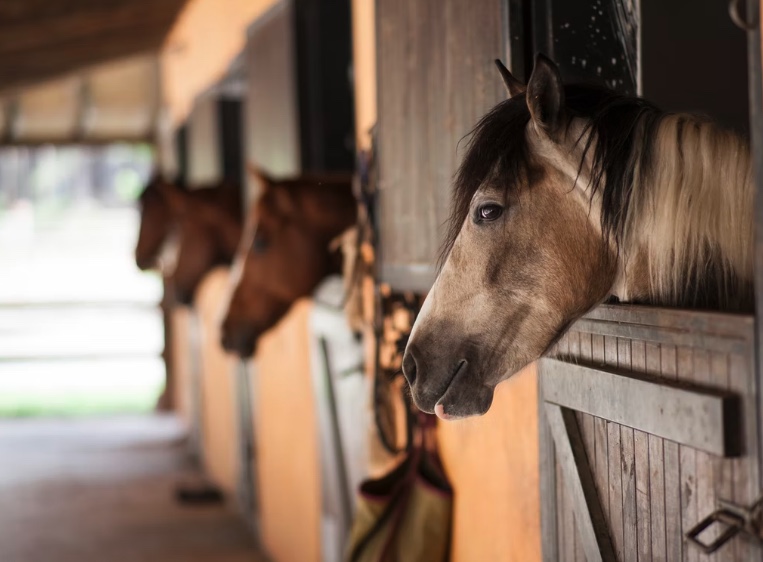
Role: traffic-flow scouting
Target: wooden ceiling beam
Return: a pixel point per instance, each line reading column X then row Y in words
column 44, row 39
column 17, row 38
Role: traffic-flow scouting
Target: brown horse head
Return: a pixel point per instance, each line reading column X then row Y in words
column 208, row 224
column 155, row 223
column 285, row 253
column 568, row 195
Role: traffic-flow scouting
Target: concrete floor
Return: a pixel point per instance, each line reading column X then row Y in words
column 101, row 490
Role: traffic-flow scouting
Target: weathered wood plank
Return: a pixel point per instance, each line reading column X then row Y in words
column 641, row 456
column 587, row 426
column 662, row 335
column 615, row 490
column 705, row 488
column 615, row 487
column 672, row 470
column 693, row 417
column 573, row 344
column 627, row 468
column 561, row 508
column 687, row 456
column 656, row 472
column 579, row 483
column 430, row 50
column 719, row 373
column 737, row 326
column 643, row 495
column 745, row 480
column 600, row 473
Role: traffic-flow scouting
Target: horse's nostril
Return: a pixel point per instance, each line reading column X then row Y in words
column 409, row 366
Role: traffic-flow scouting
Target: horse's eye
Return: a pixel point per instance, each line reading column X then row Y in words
column 489, row 212
column 260, row 244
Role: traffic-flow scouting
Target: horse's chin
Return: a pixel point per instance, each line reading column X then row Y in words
column 462, row 401
column 242, row 344
column 453, row 397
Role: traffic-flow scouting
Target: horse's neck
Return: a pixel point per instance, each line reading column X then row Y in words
column 689, row 239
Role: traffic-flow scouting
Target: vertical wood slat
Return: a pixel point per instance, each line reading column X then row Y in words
column 628, row 468
column 615, row 488
column 665, row 488
column 705, row 487
column 601, row 445
column 719, row 374
column 573, row 339
column 561, row 511
column 656, row 471
column 587, row 426
column 672, row 473
column 744, row 475
column 688, row 467
column 641, row 454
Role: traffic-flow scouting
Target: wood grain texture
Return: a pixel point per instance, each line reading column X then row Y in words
column 687, row 415
column 435, row 80
column 665, row 487
column 579, row 489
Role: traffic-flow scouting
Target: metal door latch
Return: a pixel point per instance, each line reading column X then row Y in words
column 734, row 520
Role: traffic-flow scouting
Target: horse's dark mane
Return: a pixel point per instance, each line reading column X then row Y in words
column 622, row 139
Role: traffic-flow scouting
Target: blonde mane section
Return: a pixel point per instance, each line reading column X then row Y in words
column 693, row 213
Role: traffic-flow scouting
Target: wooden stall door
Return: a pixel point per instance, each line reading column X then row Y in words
column 435, row 79
column 649, row 424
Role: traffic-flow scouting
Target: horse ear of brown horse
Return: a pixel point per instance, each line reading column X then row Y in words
column 259, row 175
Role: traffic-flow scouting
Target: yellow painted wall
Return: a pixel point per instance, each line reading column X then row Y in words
column 288, row 468
column 196, row 348
column 364, row 68
column 219, row 416
column 492, row 462
column 181, row 364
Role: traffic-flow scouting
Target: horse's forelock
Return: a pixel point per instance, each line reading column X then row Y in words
column 619, row 136
column 497, row 148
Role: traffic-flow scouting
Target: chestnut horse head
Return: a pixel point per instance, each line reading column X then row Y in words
column 285, row 253
column 155, row 223
column 567, row 196
column 207, row 225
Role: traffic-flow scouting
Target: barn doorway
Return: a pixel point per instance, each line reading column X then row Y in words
column 82, row 333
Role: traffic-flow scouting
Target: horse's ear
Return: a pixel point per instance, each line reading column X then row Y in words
column 260, row 176
column 545, row 95
column 513, row 86
column 283, row 201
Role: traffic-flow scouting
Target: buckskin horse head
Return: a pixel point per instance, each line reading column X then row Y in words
column 569, row 195
column 284, row 253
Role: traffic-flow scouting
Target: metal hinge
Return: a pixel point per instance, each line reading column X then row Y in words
column 735, row 520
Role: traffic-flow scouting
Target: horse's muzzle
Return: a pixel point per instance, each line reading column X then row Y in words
column 238, row 340
column 444, row 383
